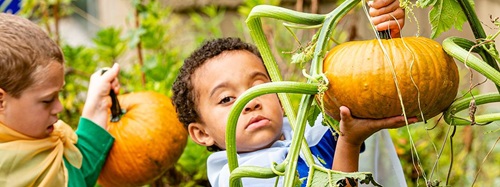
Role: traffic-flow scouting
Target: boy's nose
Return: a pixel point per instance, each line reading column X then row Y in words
column 252, row 105
column 58, row 107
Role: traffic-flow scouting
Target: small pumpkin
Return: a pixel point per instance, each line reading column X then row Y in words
column 149, row 139
column 362, row 78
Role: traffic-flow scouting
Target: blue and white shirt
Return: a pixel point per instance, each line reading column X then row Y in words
column 320, row 138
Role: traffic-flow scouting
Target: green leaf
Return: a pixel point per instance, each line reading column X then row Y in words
column 334, row 124
column 134, row 36
column 324, row 177
column 313, row 114
column 444, row 15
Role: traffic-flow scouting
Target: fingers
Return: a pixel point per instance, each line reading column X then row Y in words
column 387, row 15
column 380, row 7
column 394, row 26
column 395, row 122
column 105, row 79
column 115, row 85
column 397, row 14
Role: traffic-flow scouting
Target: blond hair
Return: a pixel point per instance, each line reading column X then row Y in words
column 25, row 49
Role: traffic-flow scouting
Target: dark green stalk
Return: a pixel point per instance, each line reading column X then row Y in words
column 478, row 31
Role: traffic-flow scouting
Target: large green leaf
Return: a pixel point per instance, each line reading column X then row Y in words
column 444, row 15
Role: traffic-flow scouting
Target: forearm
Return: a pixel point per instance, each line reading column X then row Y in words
column 346, row 157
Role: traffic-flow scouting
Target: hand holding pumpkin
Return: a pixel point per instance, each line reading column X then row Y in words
column 355, row 131
column 387, row 15
column 98, row 101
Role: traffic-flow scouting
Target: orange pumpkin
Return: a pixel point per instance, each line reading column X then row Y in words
column 149, row 139
column 361, row 77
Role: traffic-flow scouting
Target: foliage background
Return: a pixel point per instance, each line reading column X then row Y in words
column 151, row 53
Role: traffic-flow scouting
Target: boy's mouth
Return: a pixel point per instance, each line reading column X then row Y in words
column 257, row 122
column 50, row 129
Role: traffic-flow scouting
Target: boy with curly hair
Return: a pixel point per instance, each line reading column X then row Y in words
column 217, row 73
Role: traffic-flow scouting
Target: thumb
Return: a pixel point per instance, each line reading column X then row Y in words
column 111, row 73
column 345, row 114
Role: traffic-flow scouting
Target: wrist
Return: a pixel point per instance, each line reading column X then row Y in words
column 348, row 143
column 96, row 112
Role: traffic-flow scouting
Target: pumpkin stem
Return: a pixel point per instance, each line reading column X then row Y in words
column 385, row 34
column 116, row 110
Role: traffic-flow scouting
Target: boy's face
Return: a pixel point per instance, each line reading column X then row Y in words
column 35, row 111
column 218, row 83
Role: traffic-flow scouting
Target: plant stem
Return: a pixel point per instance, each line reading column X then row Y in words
column 56, row 22
column 478, row 31
column 475, row 24
column 251, row 171
column 116, row 110
column 331, row 21
column 456, row 47
column 139, row 45
column 298, row 136
column 255, row 26
column 248, row 95
column 463, row 103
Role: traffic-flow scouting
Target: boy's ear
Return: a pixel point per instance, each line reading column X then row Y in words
column 199, row 135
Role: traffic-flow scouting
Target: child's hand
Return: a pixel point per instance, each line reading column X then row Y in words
column 98, row 100
column 387, row 15
column 356, row 131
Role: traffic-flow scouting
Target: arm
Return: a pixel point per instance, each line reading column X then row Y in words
column 94, row 143
column 387, row 15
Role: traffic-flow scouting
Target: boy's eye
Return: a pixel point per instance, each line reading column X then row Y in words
column 48, row 101
column 226, row 100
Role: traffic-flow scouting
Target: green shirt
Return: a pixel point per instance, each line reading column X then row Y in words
column 94, row 143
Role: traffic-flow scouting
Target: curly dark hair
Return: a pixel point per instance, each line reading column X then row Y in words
column 184, row 98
